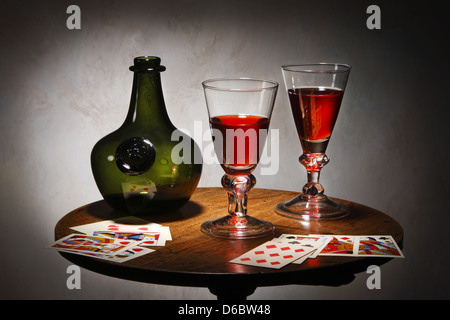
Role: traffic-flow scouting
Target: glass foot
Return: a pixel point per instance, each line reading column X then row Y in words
column 234, row 227
column 313, row 208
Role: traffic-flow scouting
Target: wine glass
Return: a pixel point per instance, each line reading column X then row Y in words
column 239, row 111
column 315, row 94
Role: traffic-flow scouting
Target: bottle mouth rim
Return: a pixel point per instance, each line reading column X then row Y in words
column 148, row 64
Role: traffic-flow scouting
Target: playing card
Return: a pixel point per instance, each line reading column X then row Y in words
column 129, row 223
column 146, row 238
column 325, row 239
column 317, row 241
column 304, row 258
column 123, row 256
column 378, row 246
column 163, row 236
column 120, row 257
column 137, row 236
column 340, row 245
column 153, row 234
column 81, row 243
column 275, row 254
column 128, row 254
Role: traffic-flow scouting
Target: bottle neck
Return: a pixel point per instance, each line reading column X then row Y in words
column 147, row 105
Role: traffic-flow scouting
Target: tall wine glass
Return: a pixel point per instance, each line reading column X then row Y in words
column 315, row 93
column 239, row 112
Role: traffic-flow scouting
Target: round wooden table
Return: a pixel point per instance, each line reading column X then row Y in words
column 198, row 260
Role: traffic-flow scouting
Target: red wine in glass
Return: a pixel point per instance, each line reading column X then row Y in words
column 315, row 94
column 239, row 111
column 315, row 111
column 239, row 147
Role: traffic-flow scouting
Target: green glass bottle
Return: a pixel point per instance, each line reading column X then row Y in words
column 133, row 166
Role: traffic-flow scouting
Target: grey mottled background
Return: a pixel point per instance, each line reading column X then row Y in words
column 62, row 90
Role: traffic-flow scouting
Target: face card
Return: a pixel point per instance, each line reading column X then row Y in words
column 164, row 233
column 340, row 245
column 120, row 235
column 378, row 246
column 129, row 224
column 82, row 243
column 129, row 254
column 146, row 238
column 275, row 254
column 126, row 255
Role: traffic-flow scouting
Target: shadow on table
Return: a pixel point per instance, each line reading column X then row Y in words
column 103, row 211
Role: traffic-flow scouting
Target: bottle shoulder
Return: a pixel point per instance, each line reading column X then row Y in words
column 160, row 137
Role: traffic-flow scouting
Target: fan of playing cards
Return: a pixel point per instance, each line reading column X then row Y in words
column 117, row 240
column 291, row 248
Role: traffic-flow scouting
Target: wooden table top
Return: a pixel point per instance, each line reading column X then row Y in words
column 195, row 259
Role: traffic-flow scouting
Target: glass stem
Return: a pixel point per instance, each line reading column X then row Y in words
column 237, row 188
column 313, row 162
